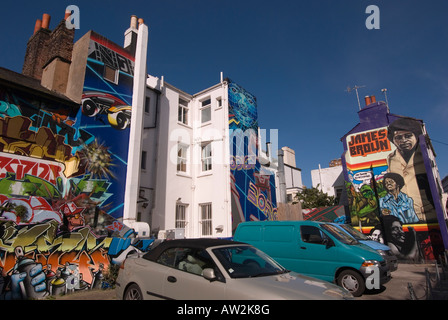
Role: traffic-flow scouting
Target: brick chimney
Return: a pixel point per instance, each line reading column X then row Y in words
column 37, row 49
column 49, row 53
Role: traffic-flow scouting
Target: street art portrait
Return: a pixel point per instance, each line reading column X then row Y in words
column 388, row 190
column 252, row 186
column 62, row 173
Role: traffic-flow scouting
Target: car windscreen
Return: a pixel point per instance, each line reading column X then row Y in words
column 353, row 232
column 246, row 262
column 338, row 234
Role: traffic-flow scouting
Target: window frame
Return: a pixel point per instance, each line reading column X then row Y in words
column 206, row 219
column 178, row 222
column 206, row 159
column 106, row 76
column 182, row 146
column 183, row 112
column 206, row 105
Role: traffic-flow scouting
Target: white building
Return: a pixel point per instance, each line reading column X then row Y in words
column 185, row 174
column 329, row 180
column 293, row 175
column 181, row 173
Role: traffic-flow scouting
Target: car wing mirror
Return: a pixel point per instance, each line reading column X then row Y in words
column 209, row 274
column 328, row 243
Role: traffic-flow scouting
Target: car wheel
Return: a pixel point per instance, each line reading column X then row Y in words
column 89, row 108
column 133, row 292
column 352, row 281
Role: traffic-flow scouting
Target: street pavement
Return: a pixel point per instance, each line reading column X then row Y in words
column 407, row 275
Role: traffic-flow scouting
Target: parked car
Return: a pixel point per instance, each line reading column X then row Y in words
column 215, row 269
column 382, row 249
column 317, row 249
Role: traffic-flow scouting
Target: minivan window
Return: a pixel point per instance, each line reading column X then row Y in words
column 354, row 233
column 338, row 234
column 312, row 234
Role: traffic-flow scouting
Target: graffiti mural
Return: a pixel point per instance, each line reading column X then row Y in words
column 38, row 260
column 252, row 186
column 62, row 173
column 388, row 187
column 105, row 113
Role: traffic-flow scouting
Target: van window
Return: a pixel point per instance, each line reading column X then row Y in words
column 312, row 234
column 338, row 234
column 278, row 233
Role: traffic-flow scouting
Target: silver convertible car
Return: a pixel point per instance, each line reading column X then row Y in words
column 215, row 269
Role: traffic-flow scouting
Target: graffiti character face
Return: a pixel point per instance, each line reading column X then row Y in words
column 397, row 231
column 377, row 236
column 404, row 140
column 76, row 220
column 390, row 184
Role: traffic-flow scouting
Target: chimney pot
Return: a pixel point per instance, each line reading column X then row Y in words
column 67, row 14
column 133, row 22
column 368, row 100
column 140, row 21
column 38, row 25
column 373, row 99
column 46, row 21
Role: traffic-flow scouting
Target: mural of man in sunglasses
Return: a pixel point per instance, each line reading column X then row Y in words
column 407, row 160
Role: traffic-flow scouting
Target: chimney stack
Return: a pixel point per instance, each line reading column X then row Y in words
column 49, row 53
column 130, row 35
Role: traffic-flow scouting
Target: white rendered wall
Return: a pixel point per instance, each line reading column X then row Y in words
column 326, row 179
column 192, row 187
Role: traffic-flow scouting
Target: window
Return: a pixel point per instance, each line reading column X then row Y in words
column 312, row 234
column 190, row 260
column 143, row 161
column 206, row 111
column 182, row 150
column 110, row 74
column 181, row 216
column 218, row 102
column 206, row 157
column 182, row 114
column 206, row 219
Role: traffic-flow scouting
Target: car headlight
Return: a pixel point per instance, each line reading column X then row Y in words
column 370, row 263
column 382, row 252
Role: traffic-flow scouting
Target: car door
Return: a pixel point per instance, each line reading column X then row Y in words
column 148, row 275
column 318, row 252
column 185, row 281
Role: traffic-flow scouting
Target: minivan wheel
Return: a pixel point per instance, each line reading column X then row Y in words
column 352, row 281
column 133, row 292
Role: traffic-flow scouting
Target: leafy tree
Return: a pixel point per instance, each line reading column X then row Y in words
column 315, row 198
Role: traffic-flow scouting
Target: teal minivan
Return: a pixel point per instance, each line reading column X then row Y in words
column 316, row 249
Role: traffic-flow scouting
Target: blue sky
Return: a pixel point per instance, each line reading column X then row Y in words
column 296, row 57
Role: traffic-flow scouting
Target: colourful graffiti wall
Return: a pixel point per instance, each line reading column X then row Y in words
column 62, row 168
column 389, row 189
column 105, row 113
column 252, row 187
column 54, row 235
